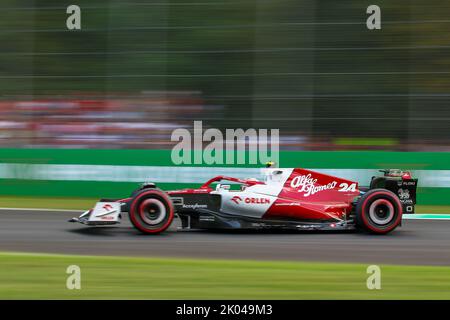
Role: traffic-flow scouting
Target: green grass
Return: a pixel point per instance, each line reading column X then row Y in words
column 86, row 203
column 432, row 209
column 35, row 276
column 48, row 203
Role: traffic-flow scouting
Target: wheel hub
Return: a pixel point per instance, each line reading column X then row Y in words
column 152, row 211
column 381, row 211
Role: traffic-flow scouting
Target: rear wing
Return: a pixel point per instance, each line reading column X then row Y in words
column 401, row 183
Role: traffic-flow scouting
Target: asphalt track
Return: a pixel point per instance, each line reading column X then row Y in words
column 417, row 242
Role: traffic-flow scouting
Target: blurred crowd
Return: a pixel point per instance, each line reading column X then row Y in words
column 95, row 122
column 146, row 121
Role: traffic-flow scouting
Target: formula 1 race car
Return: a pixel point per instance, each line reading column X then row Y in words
column 296, row 199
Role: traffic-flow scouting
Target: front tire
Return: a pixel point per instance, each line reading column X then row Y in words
column 151, row 211
column 379, row 211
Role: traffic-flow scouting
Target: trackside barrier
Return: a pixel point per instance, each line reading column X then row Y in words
column 114, row 173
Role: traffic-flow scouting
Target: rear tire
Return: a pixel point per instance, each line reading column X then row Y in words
column 379, row 211
column 151, row 211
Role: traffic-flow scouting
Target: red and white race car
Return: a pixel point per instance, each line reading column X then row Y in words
column 296, row 199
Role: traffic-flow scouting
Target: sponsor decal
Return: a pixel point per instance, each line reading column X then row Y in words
column 257, row 200
column 206, row 218
column 250, row 200
column 108, row 210
column 307, row 184
column 194, row 206
column 403, row 194
column 107, row 218
column 236, row 199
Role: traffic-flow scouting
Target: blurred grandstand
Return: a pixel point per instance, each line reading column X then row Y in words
column 91, row 122
column 139, row 69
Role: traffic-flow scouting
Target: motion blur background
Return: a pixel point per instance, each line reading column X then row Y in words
column 139, row 69
column 88, row 114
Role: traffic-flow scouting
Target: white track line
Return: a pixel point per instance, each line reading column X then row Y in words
column 41, row 209
column 426, row 216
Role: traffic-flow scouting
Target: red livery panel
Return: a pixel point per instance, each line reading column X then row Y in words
column 312, row 195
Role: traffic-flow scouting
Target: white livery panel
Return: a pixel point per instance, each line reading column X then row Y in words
column 105, row 212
